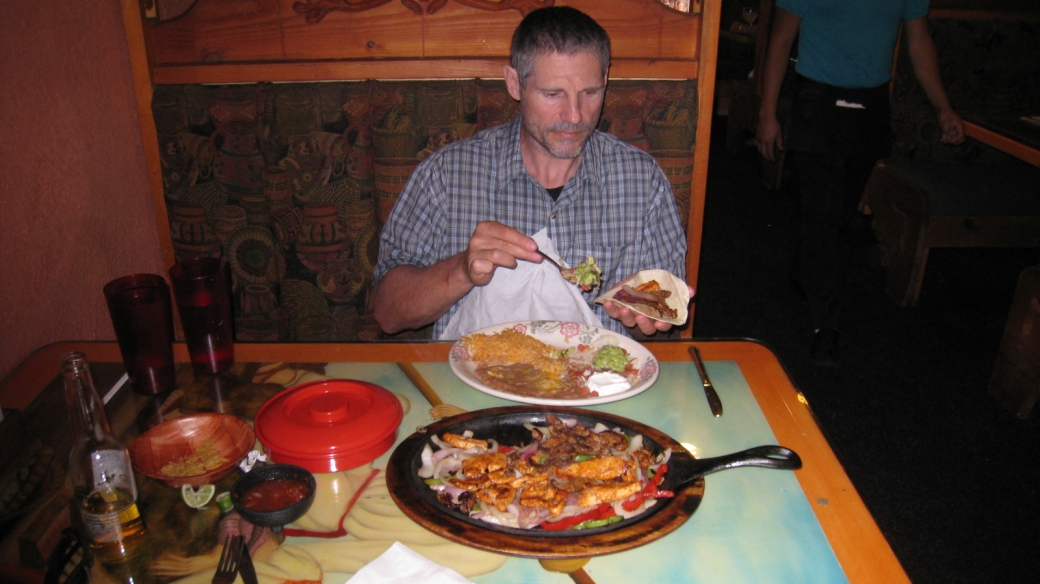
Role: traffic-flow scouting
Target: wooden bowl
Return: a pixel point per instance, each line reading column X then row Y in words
column 174, row 439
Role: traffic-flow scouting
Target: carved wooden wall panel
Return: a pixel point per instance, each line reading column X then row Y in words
column 248, row 40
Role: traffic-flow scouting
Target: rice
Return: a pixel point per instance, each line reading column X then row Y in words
column 509, row 347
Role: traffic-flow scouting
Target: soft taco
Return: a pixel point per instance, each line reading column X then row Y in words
column 656, row 294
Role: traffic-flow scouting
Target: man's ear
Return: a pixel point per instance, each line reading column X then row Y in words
column 512, row 81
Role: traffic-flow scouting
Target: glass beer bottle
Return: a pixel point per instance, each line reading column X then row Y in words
column 99, row 466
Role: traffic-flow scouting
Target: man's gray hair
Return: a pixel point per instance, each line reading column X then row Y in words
column 556, row 29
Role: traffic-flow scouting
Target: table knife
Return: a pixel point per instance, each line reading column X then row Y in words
column 245, row 568
column 709, row 390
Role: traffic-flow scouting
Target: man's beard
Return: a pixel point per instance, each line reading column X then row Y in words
column 572, row 150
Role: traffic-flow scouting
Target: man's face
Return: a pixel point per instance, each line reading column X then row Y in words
column 562, row 101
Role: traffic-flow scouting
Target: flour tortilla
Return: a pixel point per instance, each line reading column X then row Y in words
column 678, row 301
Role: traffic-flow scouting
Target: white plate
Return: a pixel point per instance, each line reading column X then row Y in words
column 562, row 335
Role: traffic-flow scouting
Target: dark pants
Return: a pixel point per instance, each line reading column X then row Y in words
column 835, row 149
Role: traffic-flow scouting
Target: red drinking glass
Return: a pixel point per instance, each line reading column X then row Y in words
column 142, row 317
column 204, row 303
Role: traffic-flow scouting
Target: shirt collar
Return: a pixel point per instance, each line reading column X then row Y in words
column 512, row 158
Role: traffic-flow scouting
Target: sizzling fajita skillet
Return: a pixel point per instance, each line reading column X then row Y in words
column 506, row 425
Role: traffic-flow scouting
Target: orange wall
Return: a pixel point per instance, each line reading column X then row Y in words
column 75, row 206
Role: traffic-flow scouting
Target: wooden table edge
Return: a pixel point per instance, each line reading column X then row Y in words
column 857, row 541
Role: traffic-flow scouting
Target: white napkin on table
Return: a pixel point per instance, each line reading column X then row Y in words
column 400, row 565
column 531, row 291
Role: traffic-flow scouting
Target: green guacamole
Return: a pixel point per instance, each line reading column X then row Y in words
column 586, row 275
column 610, row 357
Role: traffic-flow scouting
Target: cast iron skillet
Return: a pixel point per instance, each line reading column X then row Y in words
column 506, row 425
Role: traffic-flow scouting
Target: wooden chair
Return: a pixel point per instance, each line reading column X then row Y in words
column 918, row 206
column 1015, row 382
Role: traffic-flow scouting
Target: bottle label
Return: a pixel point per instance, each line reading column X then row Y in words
column 108, row 514
column 103, row 527
column 112, row 468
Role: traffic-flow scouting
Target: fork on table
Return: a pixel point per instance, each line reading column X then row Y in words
column 227, row 567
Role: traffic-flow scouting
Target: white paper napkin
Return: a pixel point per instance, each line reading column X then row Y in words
column 531, row 291
column 400, row 565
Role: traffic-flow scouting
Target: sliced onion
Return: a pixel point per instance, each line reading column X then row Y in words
column 635, row 443
column 444, row 453
column 661, row 459
column 531, row 449
column 493, row 515
column 569, row 422
column 539, row 432
column 620, row 509
column 492, row 445
column 453, row 491
column 528, row 517
column 599, row 428
column 446, row 466
column 426, row 471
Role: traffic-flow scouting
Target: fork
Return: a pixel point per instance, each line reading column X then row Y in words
column 227, row 567
column 551, row 261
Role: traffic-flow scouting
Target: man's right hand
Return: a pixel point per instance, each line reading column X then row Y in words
column 494, row 244
column 769, row 137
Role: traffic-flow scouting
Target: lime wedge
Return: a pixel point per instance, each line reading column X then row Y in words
column 224, row 502
column 197, row 499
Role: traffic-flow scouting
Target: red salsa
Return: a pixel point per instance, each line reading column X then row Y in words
column 274, row 495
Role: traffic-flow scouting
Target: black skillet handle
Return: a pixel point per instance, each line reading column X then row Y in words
column 776, row 457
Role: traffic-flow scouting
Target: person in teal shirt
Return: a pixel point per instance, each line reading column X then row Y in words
column 840, row 127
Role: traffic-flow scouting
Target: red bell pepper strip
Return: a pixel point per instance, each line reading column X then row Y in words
column 637, row 499
column 601, row 512
column 650, row 491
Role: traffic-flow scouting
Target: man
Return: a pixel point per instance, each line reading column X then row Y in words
column 469, row 209
column 840, row 126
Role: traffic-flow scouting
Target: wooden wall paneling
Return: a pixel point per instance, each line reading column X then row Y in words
column 457, row 68
column 328, row 71
column 221, row 30
column 254, row 31
column 389, row 31
column 642, row 29
column 458, row 30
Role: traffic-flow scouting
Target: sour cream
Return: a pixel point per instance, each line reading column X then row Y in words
column 607, row 383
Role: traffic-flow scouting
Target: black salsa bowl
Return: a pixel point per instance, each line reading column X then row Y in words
column 262, row 474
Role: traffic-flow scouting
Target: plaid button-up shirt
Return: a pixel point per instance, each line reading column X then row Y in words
column 618, row 207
